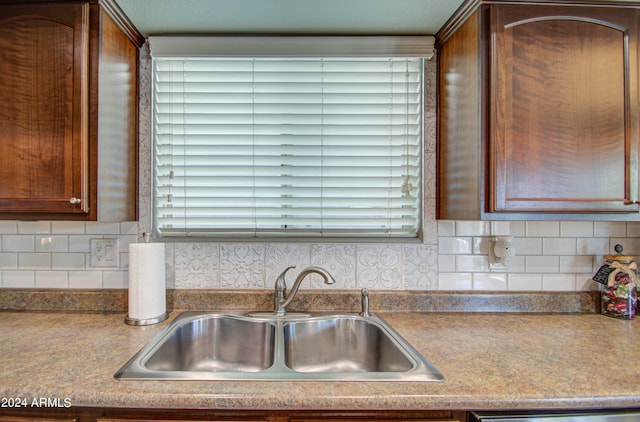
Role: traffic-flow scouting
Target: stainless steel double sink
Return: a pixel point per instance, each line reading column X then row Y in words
column 240, row 346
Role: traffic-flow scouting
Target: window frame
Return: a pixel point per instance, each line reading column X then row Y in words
column 268, row 45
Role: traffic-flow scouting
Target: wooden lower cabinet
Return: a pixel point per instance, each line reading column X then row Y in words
column 347, row 418
column 201, row 415
column 281, row 416
column 34, row 419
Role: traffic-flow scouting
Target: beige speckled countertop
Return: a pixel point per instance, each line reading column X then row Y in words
column 489, row 360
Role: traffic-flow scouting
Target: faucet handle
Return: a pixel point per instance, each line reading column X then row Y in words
column 281, row 284
column 280, row 290
column 364, row 300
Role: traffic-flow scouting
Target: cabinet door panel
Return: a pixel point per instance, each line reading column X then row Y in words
column 43, row 108
column 562, row 136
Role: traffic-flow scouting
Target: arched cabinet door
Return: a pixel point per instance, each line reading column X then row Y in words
column 43, row 108
column 564, row 110
column 68, row 111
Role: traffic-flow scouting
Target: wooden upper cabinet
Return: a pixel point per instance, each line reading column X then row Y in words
column 562, row 136
column 556, row 132
column 68, row 113
column 43, row 137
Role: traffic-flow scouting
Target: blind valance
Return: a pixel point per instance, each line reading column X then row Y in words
column 420, row 46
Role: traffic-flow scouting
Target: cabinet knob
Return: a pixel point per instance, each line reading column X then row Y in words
column 75, row 201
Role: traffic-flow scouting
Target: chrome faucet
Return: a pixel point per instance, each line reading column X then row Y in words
column 281, row 300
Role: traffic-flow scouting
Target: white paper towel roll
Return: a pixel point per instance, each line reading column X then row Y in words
column 147, row 290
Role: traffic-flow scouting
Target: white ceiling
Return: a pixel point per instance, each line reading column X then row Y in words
column 303, row 17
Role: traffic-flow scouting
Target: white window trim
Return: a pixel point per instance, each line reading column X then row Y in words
column 295, row 46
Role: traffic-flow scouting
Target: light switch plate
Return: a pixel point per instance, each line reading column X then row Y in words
column 105, row 253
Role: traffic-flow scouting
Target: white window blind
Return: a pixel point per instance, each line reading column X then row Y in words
column 295, row 147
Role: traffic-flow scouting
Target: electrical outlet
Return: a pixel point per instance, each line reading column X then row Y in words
column 105, row 252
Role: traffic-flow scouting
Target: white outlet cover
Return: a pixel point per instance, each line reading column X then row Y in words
column 105, row 253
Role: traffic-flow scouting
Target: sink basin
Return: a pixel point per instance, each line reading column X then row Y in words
column 261, row 346
column 216, row 343
column 342, row 344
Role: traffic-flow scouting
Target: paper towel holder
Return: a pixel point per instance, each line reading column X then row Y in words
column 149, row 321
column 152, row 320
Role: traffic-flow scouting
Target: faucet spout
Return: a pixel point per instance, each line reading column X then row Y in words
column 282, row 300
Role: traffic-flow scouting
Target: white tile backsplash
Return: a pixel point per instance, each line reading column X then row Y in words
column 585, row 283
column 51, row 279
column 561, row 246
column 446, row 263
column 242, row 265
column 115, row 279
column 455, row 281
column 279, row 256
column 454, row 255
column 525, row 282
column 420, row 267
column 196, row 266
column 517, row 265
column 379, row 266
column 482, row 245
column 455, row 245
column 593, row 246
column 34, row 261
column 633, row 229
column 469, row 263
column 102, row 228
column 8, row 261
column 85, row 279
column 57, row 254
column 489, row 281
column 18, row 243
column 339, row 259
column 68, row 261
column 609, row 229
column 473, row 228
column 66, row 227
column 446, row 228
column 81, row 243
column 559, row 282
column 34, row 227
column 542, row 264
column 51, row 243
column 542, row 228
column 573, row 264
column 528, row 245
column 576, row 229
column 18, row 279
column 8, row 227
column 508, row 228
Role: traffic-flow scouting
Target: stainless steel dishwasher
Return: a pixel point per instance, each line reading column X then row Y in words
column 558, row 416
